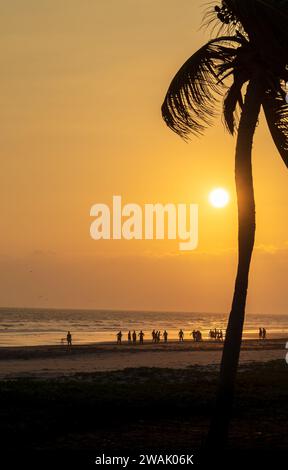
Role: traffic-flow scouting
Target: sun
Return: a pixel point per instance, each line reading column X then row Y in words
column 219, row 197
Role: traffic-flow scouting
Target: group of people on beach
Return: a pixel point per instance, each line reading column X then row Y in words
column 262, row 333
column 131, row 337
column 196, row 335
column 156, row 336
column 216, row 334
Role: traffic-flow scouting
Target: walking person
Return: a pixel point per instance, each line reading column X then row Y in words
column 129, row 337
column 134, row 337
column 165, row 336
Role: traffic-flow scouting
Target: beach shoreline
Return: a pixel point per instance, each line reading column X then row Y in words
column 60, row 361
column 36, row 327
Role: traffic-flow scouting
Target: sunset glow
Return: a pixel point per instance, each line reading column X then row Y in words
column 74, row 135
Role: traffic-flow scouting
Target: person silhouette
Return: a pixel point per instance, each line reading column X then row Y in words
column 181, row 335
column 129, row 337
column 119, row 337
column 69, row 339
column 260, row 333
column 165, row 336
column 141, row 337
column 134, row 337
column 264, row 332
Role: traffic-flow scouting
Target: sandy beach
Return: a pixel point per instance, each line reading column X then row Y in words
column 58, row 361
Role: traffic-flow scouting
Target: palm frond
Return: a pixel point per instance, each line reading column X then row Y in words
column 265, row 22
column 189, row 104
column 276, row 113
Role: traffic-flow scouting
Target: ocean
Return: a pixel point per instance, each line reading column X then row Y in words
column 28, row 327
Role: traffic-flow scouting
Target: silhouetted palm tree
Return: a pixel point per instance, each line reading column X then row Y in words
column 250, row 49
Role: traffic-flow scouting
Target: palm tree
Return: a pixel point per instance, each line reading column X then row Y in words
column 248, row 56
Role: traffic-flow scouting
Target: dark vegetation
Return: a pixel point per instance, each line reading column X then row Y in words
column 139, row 410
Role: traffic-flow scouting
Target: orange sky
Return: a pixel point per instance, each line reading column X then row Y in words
column 81, row 88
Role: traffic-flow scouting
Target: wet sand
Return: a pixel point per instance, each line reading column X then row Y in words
column 58, row 361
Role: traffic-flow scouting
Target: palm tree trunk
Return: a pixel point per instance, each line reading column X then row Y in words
column 218, row 432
